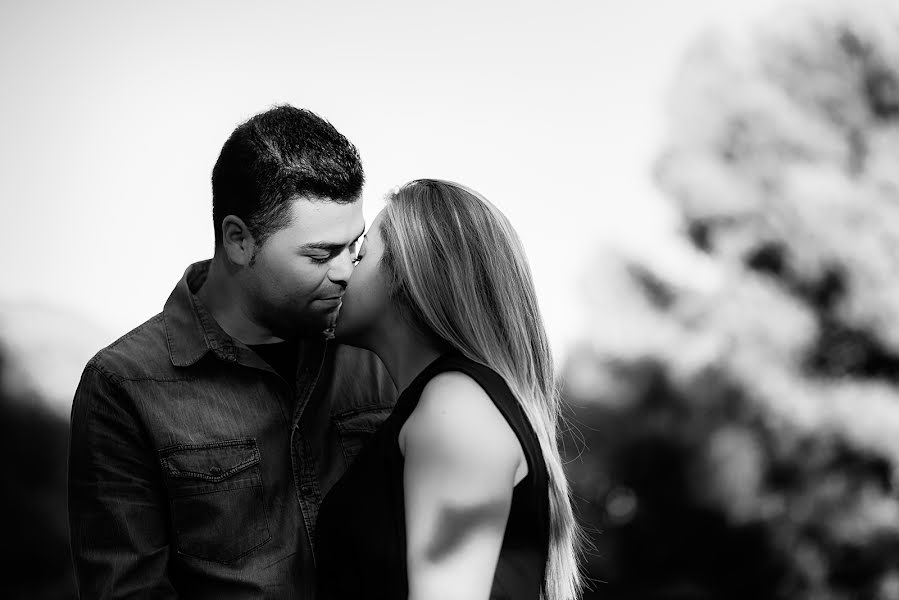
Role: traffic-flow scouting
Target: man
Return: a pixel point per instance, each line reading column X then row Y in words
column 204, row 440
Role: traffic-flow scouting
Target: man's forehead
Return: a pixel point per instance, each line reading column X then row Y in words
column 325, row 221
column 325, row 212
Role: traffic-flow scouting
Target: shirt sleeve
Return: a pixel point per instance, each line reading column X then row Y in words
column 118, row 514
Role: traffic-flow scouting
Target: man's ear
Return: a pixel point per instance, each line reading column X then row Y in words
column 237, row 241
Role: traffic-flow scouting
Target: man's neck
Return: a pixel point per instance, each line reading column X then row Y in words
column 222, row 298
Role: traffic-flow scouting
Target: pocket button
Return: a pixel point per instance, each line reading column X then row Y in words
column 215, row 471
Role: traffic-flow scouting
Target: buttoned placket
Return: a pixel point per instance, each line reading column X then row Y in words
column 305, row 474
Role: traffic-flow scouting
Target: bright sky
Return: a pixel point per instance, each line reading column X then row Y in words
column 114, row 112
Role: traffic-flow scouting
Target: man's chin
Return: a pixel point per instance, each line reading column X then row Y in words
column 315, row 324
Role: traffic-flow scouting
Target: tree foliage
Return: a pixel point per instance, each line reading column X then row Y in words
column 744, row 439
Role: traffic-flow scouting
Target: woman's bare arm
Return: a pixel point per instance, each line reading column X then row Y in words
column 462, row 461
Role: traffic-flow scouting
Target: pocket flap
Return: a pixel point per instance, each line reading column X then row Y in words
column 210, row 462
column 364, row 421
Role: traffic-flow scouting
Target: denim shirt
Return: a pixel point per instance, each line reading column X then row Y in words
column 195, row 470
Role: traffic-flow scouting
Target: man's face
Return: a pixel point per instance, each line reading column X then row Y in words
column 300, row 273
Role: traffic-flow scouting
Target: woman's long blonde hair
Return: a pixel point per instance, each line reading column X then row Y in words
column 459, row 271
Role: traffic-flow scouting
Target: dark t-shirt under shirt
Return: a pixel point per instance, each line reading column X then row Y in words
column 282, row 357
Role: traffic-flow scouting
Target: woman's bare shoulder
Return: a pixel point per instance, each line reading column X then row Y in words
column 456, row 420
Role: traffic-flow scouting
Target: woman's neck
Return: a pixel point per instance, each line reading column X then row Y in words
column 405, row 352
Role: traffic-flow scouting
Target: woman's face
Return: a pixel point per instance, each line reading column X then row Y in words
column 366, row 302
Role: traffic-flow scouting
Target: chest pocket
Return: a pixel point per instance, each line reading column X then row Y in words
column 356, row 427
column 216, row 498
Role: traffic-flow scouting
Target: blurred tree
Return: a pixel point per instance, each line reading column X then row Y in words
column 744, row 433
column 34, row 438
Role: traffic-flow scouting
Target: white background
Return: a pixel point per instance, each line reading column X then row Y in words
column 113, row 114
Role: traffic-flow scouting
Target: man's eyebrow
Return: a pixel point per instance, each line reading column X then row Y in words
column 329, row 246
column 322, row 246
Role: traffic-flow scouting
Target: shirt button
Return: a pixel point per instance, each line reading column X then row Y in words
column 306, row 490
column 215, row 471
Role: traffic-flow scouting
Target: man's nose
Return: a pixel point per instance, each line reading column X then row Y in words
column 341, row 267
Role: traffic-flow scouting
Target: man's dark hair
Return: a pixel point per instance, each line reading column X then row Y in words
column 274, row 157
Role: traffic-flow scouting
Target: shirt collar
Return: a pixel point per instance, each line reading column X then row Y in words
column 190, row 330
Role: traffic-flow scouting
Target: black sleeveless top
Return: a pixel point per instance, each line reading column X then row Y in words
column 361, row 530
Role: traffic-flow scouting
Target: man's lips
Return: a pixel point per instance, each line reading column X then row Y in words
column 332, row 300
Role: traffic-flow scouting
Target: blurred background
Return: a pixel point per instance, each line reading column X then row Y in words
column 708, row 193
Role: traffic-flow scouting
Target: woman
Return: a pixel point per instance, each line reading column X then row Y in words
column 461, row 493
